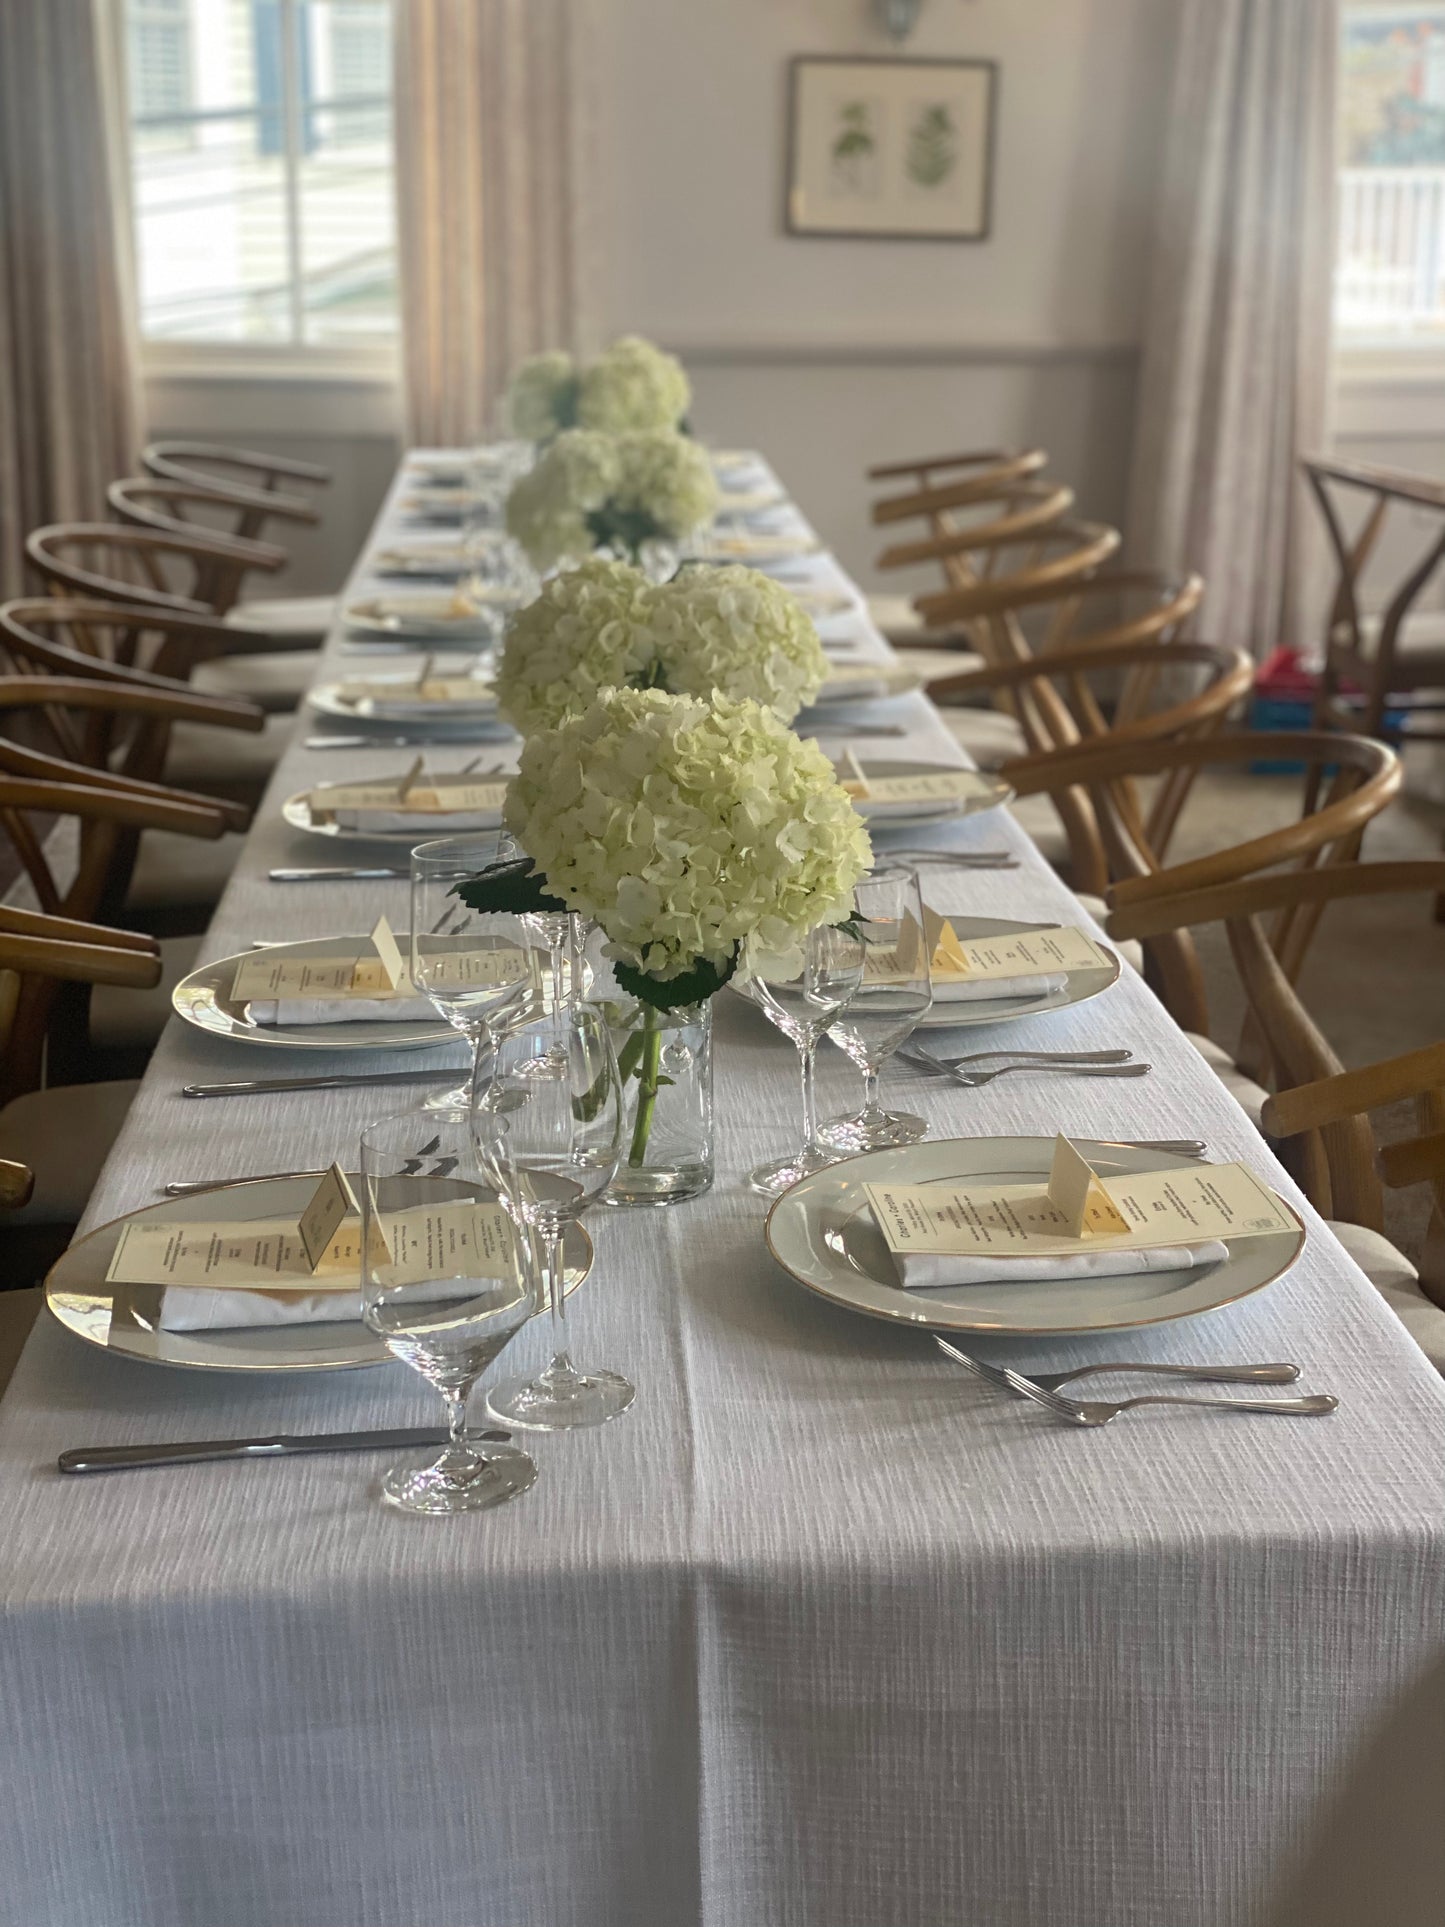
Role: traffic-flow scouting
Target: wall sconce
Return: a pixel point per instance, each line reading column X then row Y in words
column 897, row 18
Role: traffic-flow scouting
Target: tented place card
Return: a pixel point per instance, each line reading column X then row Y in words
column 431, row 689
column 920, row 789
column 1017, row 955
column 320, row 1251
column 423, row 796
column 1077, row 1210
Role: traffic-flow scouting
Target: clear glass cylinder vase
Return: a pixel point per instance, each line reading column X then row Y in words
column 664, row 1058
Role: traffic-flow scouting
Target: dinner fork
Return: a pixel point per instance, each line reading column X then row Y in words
column 926, row 1060
column 1096, row 1413
column 975, row 1080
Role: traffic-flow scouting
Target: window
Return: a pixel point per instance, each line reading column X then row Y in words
column 261, row 166
column 1390, row 262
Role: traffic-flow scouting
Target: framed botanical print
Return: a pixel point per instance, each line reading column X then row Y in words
column 891, row 149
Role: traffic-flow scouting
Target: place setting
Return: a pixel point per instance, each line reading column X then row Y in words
column 418, row 802
column 439, row 699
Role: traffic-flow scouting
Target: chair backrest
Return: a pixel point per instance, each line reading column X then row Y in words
column 1365, row 776
column 959, row 485
column 261, row 485
column 1061, row 712
column 190, row 574
column 925, row 470
column 106, row 644
column 963, row 541
column 207, row 515
column 42, row 959
column 1319, row 1109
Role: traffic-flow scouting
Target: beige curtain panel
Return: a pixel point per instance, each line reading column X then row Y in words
column 1234, row 382
column 70, row 413
column 490, row 157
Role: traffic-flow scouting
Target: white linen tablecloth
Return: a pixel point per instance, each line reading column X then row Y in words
column 822, row 1633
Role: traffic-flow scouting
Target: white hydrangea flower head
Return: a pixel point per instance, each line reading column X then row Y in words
column 737, row 632
column 686, row 829
column 669, row 477
column 586, row 631
column 634, row 385
column 547, row 508
column 542, row 398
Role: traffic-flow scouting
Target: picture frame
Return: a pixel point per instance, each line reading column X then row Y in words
column 890, row 149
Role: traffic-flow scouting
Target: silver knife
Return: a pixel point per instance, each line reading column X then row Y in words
column 401, row 742
column 119, row 1458
column 338, row 1081
column 332, row 876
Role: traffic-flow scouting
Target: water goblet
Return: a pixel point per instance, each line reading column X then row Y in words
column 895, row 994
column 803, row 994
column 556, row 1083
column 474, row 965
column 446, row 1282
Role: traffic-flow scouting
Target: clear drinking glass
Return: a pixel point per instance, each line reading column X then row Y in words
column 556, row 1083
column 476, row 966
column 446, row 1281
column 803, row 1003
column 895, row 994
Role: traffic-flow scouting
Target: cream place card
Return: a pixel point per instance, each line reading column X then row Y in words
column 424, row 796
column 431, row 689
column 268, row 977
column 1137, row 1210
column 927, row 786
column 954, row 959
column 459, row 1238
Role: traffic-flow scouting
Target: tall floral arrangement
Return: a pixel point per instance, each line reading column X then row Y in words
column 632, row 386
column 728, row 631
column 589, row 491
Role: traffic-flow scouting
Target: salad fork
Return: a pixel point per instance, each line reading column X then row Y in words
column 926, row 1060
column 975, row 1080
column 1095, row 1413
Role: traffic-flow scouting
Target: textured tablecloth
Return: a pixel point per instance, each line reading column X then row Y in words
column 821, row 1632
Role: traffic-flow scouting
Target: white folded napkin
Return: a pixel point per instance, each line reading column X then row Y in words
column 340, row 1010
column 413, row 708
column 986, row 989
column 438, row 822
column 933, row 1270
column 187, row 1308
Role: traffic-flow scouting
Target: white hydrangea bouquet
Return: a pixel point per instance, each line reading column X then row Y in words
column 726, row 631
column 694, row 833
column 622, row 492
column 632, row 386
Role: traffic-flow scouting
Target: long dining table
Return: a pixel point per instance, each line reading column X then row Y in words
column 822, row 1631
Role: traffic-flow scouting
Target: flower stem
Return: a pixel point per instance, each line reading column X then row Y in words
column 647, row 1073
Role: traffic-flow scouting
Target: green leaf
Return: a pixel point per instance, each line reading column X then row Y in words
column 508, row 889
column 704, row 980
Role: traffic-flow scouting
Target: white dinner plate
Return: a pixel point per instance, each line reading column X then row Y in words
column 1080, row 987
column 204, row 999
column 437, row 561
column 996, row 793
column 298, row 812
column 865, row 682
column 755, row 500
column 429, row 615
column 745, row 548
column 822, row 604
column 126, row 1318
column 822, row 1233
column 342, row 699
column 450, row 503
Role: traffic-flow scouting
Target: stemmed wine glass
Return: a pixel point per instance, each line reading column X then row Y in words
column 474, row 965
column 896, row 992
column 446, row 1282
column 556, row 1083
column 803, row 995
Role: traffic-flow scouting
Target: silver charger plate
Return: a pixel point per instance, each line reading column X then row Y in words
column 297, row 811
column 126, row 1318
column 823, row 1234
column 995, row 793
column 204, row 1000
column 1081, row 985
column 333, row 699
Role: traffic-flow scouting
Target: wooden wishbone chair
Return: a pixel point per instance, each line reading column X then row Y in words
column 1144, row 605
column 1026, row 508
column 64, row 1131
column 1318, row 1114
column 934, row 499
column 1366, row 777
column 134, row 646
column 249, row 476
column 923, row 468
column 181, row 508
column 1060, row 714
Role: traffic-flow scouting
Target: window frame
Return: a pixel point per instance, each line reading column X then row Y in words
column 365, row 365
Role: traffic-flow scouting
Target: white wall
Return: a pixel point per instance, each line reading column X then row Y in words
column 837, row 353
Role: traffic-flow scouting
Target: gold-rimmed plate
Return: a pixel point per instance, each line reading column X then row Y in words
column 394, row 698
column 985, row 792
column 823, row 1234
column 1078, row 988
column 306, row 811
column 204, row 1000
column 125, row 1319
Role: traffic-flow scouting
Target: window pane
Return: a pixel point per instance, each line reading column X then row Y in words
column 262, row 169
column 1390, row 279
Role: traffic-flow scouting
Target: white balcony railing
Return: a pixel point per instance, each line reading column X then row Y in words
column 1390, row 264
